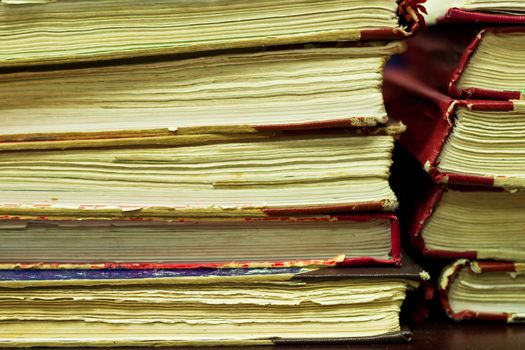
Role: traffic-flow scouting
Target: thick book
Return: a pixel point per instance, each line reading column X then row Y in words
column 276, row 174
column 231, row 94
column 476, row 142
column 367, row 239
column 204, row 306
column 471, row 61
column 469, row 222
column 474, row 11
column 484, row 290
column 65, row 31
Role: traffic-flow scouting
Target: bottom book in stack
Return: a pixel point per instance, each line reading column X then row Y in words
column 203, row 306
column 488, row 290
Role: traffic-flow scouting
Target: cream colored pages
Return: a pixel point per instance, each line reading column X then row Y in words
column 506, row 6
column 497, row 63
column 491, row 292
column 225, row 313
column 349, row 172
column 488, row 222
column 225, row 241
column 228, row 93
column 64, row 31
column 488, row 143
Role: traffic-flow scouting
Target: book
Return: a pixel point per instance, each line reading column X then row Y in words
column 484, row 290
column 230, row 93
column 357, row 240
column 471, row 61
column 475, row 142
column 203, row 306
column 475, row 11
column 469, row 222
column 58, row 32
column 279, row 174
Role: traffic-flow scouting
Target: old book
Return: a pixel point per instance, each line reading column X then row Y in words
column 196, row 243
column 203, row 307
column 471, row 61
column 65, row 31
column 271, row 175
column 475, row 11
column 470, row 222
column 476, row 142
column 484, row 290
column 229, row 94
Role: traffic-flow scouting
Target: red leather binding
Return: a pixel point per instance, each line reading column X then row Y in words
column 457, row 15
column 440, row 56
column 429, row 116
column 451, row 272
column 424, row 208
column 395, row 258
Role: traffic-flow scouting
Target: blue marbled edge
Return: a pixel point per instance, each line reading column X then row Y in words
column 126, row 274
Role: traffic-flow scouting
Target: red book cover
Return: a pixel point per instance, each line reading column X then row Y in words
column 441, row 55
column 442, row 12
column 430, row 116
column 181, row 225
column 451, row 272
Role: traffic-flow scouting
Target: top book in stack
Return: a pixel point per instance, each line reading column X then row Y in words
column 37, row 32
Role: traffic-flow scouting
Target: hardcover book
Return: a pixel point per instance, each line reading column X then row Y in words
column 471, row 61
column 277, row 174
column 476, row 142
column 65, row 31
column 367, row 239
column 203, row 307
column 484, row 290
column 470, row 222
column 228, row 95
column 475, row 11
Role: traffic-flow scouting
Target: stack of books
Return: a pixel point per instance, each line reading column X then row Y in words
column 179, row 172
column 461, row 96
